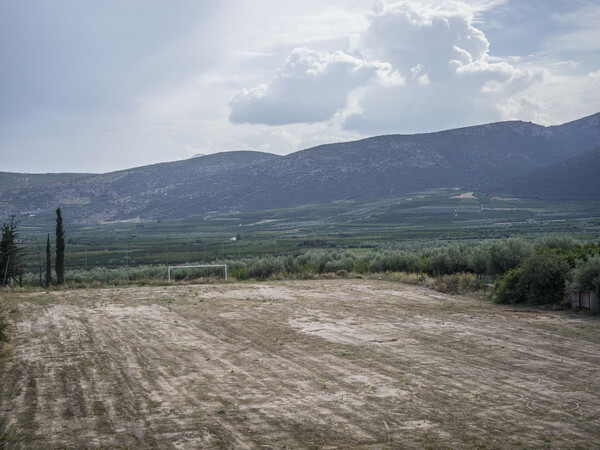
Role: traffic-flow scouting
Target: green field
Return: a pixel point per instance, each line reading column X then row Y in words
column 412, row 221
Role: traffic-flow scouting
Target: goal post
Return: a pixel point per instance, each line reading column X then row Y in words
column 170, row 268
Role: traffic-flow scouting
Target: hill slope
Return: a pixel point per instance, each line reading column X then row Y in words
column 486, row 157
column 577, row 178
column 11, row 181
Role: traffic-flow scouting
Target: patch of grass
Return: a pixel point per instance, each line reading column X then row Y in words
column 3, row 327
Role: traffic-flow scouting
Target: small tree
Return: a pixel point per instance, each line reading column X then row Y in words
column 510, row 289
column 11, row 266
column 586, row 276
column 545, row 275
column 60, row 249
column 478, row 259
column 506, row 254
column 48, row 262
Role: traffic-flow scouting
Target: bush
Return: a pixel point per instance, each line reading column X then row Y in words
column 344, row 262
column 3, row 335
column 507, row 254
column 266, row 267
column 510, row 289
column 362, row 266
column 555, row 240
column 478, row 259
column 240, row 273
column 407, row 278
column 580, row 252
column 394, row 261
column 3, row 326
column 458, row 283
column 448, row 260
column 586, row 275
column 545, row 275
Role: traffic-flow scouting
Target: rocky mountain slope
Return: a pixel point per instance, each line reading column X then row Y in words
column 577, row 178
column 11, row 181
column 487, row 157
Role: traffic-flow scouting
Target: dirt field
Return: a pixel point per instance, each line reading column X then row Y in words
column 310, row 364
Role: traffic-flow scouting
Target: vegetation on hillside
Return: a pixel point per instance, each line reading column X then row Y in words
column 538, row 273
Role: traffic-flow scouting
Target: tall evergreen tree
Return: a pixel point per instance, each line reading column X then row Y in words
column 11, row 265
column 60, row 249
column 48, row 262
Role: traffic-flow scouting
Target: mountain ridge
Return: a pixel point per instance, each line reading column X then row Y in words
column 482, row 157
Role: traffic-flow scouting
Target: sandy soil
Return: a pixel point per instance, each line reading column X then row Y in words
column 310, row 364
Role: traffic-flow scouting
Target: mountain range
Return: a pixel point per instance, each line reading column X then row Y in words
column 510, row 158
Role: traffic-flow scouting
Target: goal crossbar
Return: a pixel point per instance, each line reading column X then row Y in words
column 201, row 265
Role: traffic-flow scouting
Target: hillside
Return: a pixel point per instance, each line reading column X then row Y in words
column 576, row 178
column 125, row 193
column 486, row 157
column 11, row 181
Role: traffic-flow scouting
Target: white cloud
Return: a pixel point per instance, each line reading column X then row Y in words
column 445, row 59
column 559, row 99
column 116, row 84
column 311, row 87
column 585, row 23
column 416, row 65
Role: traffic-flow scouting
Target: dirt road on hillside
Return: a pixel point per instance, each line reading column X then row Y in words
column 311, row 364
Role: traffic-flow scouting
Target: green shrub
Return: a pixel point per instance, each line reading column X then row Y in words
column 586, row 275
column 510, row 289
column 3, row 335
column 555, row 240
column 344, row 262
column 263, row 268
column 478, row 259
column 362, row 266
column 579, row 252
column 507, row 254
column 240, row 273
column 545, row 275
column 448, row 260
column 394, row 261
column 3, row 326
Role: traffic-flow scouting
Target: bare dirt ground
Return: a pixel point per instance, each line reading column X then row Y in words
column 302, row 364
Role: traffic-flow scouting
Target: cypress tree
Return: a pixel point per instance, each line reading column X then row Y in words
column 48, row 262
column 60, row 249
column 11, row 266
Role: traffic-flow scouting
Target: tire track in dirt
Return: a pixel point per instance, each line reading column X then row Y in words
column 346, row 363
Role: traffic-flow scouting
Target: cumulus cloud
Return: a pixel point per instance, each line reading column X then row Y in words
column 450, row 80
column 311, row 87
column 416, row 64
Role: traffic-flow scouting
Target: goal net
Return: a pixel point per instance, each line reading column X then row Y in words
column 201, row 266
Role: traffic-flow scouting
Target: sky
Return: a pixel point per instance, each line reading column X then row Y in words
column 103, row 85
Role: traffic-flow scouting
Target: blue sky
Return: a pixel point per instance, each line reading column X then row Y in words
column 95, row 86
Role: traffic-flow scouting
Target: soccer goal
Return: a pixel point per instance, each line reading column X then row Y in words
column 172, row 268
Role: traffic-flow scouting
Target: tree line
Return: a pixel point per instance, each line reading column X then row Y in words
column 11, row 255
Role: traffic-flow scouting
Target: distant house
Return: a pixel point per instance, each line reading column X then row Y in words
column 233, row 238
